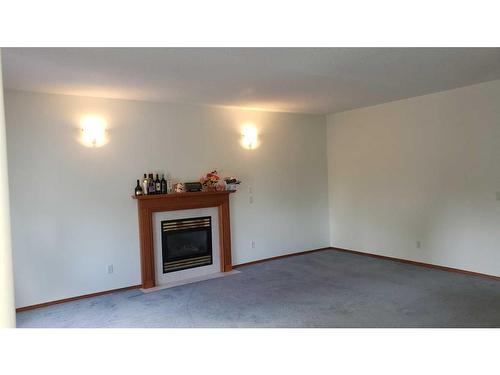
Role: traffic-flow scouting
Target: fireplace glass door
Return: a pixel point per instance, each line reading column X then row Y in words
column 186, row 243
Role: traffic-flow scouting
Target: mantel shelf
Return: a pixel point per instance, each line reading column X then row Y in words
column 181, row 195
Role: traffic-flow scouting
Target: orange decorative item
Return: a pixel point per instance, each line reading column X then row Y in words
column 210, row 181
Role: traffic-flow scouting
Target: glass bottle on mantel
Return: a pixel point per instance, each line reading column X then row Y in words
column 157, row 185
column 151, row 184
column 145, row 185
column 163, row 184
column 138, row 189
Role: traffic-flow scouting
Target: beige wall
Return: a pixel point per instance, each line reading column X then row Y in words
column 72, row 214
column 422, row 169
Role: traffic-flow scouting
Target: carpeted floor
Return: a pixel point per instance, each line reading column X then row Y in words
column 323, row 289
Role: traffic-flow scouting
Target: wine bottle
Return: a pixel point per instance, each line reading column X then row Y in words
column 145, row 185
column 138, row 189
column 163, row 183
column 157, row 185
column 151, row 184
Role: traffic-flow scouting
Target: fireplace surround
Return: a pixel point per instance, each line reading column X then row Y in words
column 149, row 204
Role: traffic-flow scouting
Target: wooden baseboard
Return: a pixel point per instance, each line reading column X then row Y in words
column 45, row 304
column 279, row 257
column 50, row 303
column 372, row 255
column 393, row 259
column 421, row 264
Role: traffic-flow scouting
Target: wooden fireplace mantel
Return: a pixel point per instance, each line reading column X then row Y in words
column 149, row 204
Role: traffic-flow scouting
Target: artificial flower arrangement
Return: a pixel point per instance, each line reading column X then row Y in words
column 231, row 183
column 211, row 181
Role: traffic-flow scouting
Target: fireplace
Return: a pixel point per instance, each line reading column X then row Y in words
column 149, row 205
column 186, row 243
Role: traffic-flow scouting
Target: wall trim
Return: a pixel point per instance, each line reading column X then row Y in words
column 280, row 257
column 64, row 300
column 421, row 264
column 372, row 255
column 385, row 257
column 56, row 302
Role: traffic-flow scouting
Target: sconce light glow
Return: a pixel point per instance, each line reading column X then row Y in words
column 249, row 137
column 93, row 131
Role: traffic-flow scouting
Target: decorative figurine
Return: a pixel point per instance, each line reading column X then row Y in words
column 179, row 188
column 232, row 183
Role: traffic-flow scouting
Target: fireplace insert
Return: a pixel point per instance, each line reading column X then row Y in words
column 186, row 243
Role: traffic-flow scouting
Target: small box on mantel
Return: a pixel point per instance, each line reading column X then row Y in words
column 192, row 186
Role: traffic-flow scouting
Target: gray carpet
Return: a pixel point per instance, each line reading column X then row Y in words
column 323, row 289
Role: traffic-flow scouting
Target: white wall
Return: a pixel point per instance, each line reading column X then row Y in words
column 72, row 214
column 422, row 169
column 7, row 313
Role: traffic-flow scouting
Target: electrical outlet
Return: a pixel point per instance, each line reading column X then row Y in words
column 110, row 268
column 253, row 244
column 250, row 190
column 250, row 199
column 419, row 245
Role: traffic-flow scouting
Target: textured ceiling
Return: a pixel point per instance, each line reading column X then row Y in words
column 307, row 80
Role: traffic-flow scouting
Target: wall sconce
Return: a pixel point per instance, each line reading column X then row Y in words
column 93, row 131
column 249, row 137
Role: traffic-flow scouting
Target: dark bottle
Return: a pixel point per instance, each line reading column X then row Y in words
column 138, row 189
column 157, row 185
column 163, row 183
column 151, row 184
